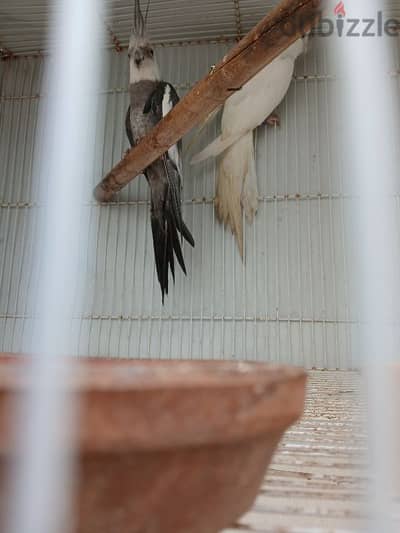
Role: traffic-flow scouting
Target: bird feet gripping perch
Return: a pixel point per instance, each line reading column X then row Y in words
column 272, row 120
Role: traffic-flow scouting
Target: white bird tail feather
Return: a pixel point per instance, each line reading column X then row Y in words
column 201, row 127
column 215, row 148
column 250, row 187
column 237, row 187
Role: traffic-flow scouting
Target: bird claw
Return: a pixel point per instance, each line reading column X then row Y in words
column 273, row 120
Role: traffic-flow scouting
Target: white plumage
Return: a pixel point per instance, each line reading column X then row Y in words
column 244, row 111
column 167, row 105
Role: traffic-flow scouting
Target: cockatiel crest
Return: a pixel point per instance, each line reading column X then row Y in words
column 142, row 61
column 139, row 21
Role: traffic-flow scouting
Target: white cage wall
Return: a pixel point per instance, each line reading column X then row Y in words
column 290, row 302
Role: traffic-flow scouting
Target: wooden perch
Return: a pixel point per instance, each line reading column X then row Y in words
column 279, row 29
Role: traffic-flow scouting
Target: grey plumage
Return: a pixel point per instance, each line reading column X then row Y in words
column 150, row 100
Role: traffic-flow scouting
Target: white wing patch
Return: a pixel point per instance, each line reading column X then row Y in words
column 167, row 105
column 167, row 102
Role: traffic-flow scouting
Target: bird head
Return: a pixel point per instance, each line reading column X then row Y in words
column 143, row 65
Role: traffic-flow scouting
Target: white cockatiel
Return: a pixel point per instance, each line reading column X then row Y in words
column 243, row 112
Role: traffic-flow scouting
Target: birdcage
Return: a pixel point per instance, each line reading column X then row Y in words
column 290, row 299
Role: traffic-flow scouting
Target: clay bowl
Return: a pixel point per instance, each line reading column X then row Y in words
column 169, row 447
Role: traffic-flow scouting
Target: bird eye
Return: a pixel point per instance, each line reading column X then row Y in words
column 152, row 53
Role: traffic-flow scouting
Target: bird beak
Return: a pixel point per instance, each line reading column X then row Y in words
column 138, row 57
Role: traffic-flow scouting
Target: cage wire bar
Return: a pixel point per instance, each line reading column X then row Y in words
column 42, row 469
column 290, row 301
column 215, row 21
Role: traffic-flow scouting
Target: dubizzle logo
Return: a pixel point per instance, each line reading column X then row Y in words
column 359, row 27
column 377, row 25
column 339, row 10
column 340, row 13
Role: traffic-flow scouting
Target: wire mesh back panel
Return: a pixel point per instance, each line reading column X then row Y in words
column 289, row 302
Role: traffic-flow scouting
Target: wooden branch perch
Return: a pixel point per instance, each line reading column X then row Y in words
column 279, row 29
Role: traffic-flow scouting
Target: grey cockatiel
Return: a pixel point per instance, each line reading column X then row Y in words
column 244, row 111
column 150, row 100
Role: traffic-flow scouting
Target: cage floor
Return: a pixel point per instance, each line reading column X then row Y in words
column 317, row 482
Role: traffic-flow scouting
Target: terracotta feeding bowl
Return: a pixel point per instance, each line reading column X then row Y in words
column 169, row 447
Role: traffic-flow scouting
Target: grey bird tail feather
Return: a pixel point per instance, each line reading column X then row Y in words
column 166, row 222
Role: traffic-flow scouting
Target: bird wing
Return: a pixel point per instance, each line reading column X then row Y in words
column 160, row 102
column 128, row 126
column 259, row 97
column 164, row 177
column 246, row 109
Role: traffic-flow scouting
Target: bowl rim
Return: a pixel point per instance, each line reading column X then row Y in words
column 126, row 374
column 173, row 411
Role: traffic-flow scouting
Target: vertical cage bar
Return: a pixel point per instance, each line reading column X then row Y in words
column 40, row 490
